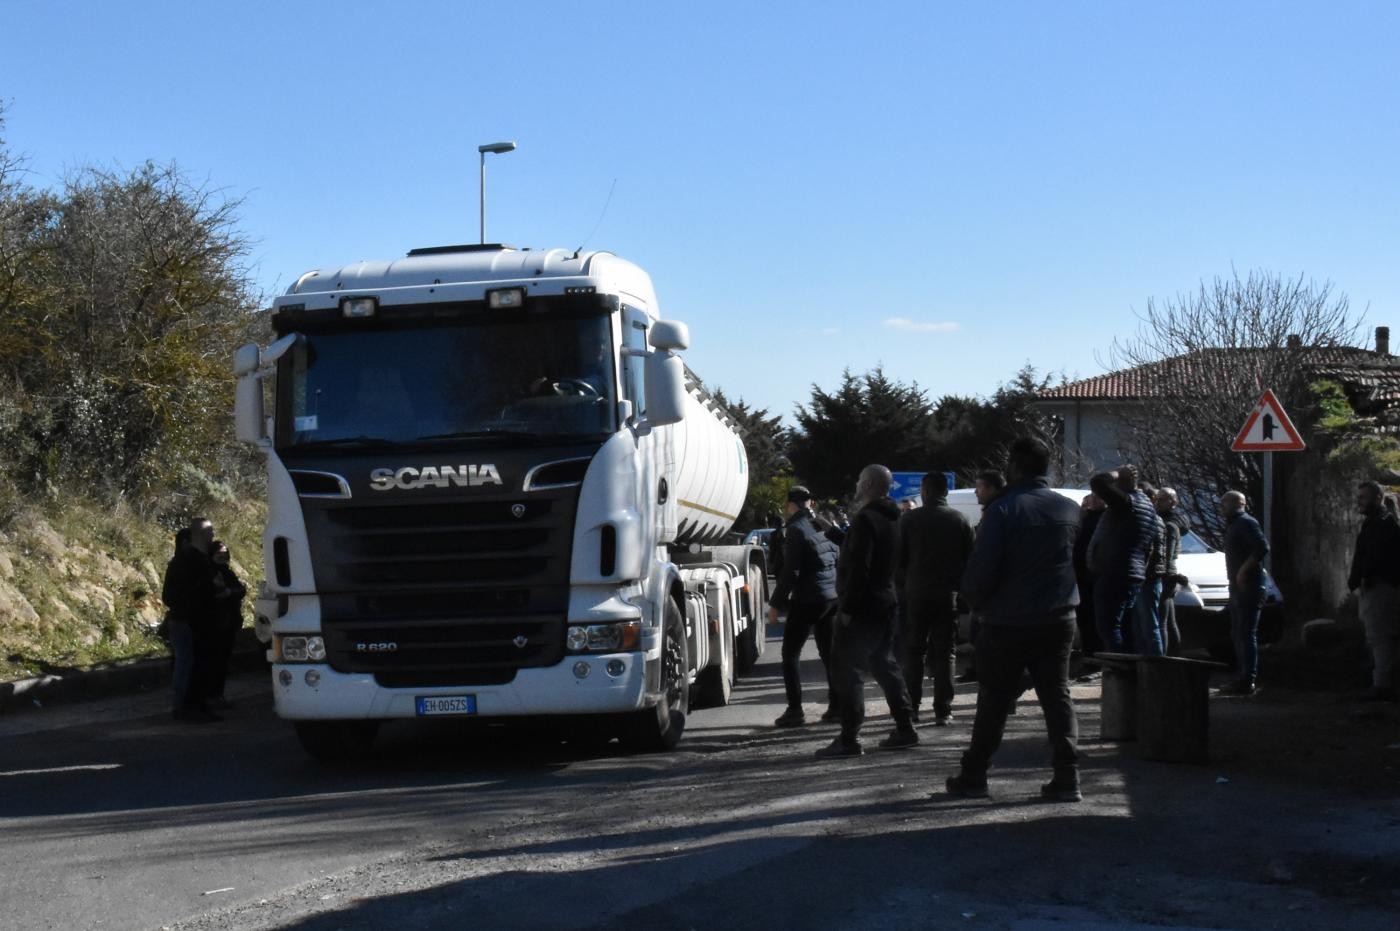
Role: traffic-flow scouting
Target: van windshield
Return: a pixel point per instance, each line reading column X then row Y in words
column 546, row 376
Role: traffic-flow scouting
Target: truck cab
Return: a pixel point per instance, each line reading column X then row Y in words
column 481, row 463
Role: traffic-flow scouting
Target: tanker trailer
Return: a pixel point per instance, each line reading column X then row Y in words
column 494, row 492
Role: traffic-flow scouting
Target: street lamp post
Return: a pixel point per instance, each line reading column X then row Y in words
column 495, row 148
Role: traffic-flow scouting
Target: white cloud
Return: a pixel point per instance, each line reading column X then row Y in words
column 918, row 326
column 829, row 331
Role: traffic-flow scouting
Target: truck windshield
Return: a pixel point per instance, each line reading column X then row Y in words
column 548, row 376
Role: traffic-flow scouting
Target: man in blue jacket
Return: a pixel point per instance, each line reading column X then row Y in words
column 1245, row 550
column 1020, row 579
column 807, row 591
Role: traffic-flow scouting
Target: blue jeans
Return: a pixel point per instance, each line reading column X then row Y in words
column 1114, row 597
column 1244, row 608
column 1147, row 622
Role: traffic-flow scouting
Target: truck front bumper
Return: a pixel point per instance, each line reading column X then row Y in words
column 552, row 690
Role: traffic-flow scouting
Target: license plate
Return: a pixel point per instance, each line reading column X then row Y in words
column 445, row 704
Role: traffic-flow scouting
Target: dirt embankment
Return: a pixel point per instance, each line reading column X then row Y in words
column 80, row 585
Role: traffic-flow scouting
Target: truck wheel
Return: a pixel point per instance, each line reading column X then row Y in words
column 660, row 728
column 333, row 741
column 716, row 683
column 752, row 640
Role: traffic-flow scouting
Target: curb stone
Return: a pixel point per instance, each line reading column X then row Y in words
column 140, row 675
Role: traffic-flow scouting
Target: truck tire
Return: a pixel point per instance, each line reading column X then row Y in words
column 752, row 640
column 335, row 741
column 715, row 684
column 660, row 728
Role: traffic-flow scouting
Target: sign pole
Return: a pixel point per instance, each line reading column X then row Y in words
column 1268, row 505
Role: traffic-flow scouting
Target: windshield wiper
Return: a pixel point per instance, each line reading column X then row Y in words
column 531, row 435
column 369, row 442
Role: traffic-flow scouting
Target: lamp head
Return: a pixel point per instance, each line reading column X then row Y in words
column 496, row 148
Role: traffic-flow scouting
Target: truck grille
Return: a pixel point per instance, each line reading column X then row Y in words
column 443, row 592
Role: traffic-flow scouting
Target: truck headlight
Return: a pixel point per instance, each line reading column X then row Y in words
column 301, row 649
column 617, row 637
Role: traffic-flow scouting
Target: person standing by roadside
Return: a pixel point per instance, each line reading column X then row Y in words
column 188, row 592
column 1245, row 551
column 865, row 629
column 229, row 593
column 1375, row 577
column 1173, row 524
column 807, row 591
column 934, row 543
column 1020, row 579
column 1118, row 553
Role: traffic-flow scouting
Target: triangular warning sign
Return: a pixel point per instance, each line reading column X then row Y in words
column 1268, row 430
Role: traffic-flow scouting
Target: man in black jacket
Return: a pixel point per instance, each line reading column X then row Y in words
column 807, row 591
column 1118, row 554
column 1375, row 572
column 865, row 629
column 934, row 543
column 189, row 594
column 1020, row 579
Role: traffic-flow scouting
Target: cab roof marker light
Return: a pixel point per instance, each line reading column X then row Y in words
column 358, row 306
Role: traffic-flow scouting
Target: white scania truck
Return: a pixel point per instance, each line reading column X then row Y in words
column 494, row 490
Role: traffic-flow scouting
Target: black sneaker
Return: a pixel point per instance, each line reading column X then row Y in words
column 1238, row 687
column 900, row 740
column 840, row 748
column 969, row 676
column 831, row 716
column 966, row 787
column 943, row 720
column 1062, row 790
column 793, row 717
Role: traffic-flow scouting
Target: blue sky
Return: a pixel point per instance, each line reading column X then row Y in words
column 1011, row 181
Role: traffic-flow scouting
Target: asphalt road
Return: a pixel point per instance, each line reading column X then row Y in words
column 112, row 816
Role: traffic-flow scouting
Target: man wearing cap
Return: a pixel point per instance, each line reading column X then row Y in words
column 807, row 591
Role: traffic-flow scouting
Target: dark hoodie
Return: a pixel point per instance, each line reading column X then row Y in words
column 865, row 572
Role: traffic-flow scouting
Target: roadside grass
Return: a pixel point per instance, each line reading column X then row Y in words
column 80, row 583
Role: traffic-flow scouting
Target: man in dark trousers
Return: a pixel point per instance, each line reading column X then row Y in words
column 1375, row 576
column 1119, row 552
column 865, row 628
column 189, row 594
column 934, row 543
column 1020, row 579
column 1245, row 550
column 1174, row 523
column 806, row 589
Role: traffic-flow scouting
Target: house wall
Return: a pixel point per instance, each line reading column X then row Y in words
column 1093, row 438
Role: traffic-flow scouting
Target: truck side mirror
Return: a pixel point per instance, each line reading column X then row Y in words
column 248, row 396
column 669, row 335
column 251, row 365
column 665, row 374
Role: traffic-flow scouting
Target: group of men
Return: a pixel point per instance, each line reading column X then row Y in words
column 892, row 584
column 204, row 599
column 882, row 599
